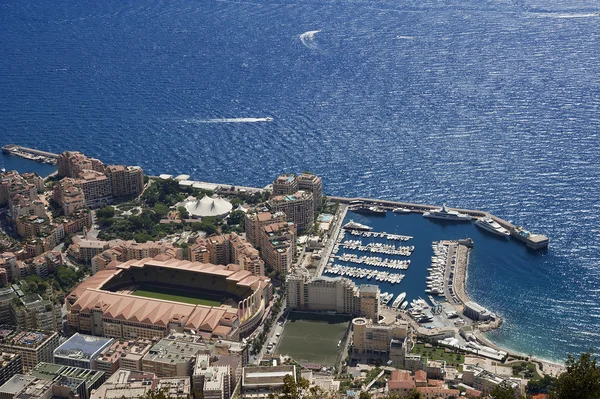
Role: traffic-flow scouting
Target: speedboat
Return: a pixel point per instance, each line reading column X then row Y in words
column 401, row 210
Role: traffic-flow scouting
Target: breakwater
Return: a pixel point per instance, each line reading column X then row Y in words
column 30, row 153
column 532, row 240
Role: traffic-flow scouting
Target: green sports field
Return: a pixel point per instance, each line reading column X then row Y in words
column 175, row 295
column 312, row 341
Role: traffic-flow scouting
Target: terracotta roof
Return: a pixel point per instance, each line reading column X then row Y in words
column 420, row 376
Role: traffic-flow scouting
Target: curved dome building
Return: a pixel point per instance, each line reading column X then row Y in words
column 207, row 206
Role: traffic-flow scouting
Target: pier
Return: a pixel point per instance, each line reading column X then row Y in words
column 30, row 153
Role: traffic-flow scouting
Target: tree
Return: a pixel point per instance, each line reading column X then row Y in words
column 183, row 213
column 298, row 390
column 503, row 391
column 581, row 380
column 364, row 395
column 236, row 217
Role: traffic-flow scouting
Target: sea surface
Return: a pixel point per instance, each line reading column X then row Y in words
column 490, row 105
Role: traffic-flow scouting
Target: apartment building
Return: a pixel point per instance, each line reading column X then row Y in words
column 33, row 346
column 298, row 208
column 124, row 355
column 255, row 221
column 337, row 294
column 32, row 312
column 312, row 183
column 68, row 195
column 380, row 339
column 125, row 180
column 278, row 245
column 96, row 188
column 211, row 380
column 74, row 163
column 10, row 364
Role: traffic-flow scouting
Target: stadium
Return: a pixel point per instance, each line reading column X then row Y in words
column 149, row 298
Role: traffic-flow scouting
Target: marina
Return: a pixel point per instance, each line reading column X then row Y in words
column 532, row 240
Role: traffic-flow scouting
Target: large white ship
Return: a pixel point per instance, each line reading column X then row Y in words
column 352, row 225
column 489, row 224
column 445, row 214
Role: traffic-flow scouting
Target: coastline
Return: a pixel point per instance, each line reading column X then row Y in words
column 460, row 285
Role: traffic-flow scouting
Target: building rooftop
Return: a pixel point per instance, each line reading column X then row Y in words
column 51, row 371
column 25, row 339
column 272, row 376
column 17, row 383
column 170, row 350
column 81, row 346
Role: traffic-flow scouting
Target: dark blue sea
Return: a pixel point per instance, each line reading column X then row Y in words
column 491, row 105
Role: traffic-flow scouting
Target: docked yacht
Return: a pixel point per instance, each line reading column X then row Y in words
column 352, row 225
column 398, row 301
column 401, row 210
column 369, row 210
column 446, row 214
column 489, row 224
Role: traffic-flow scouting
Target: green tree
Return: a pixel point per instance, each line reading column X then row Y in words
column 161, row 210
column 503, row 391
column 236, row 217
column 183, row 213
column 544, row 385
column 298, row 390
column 581, row 380
column 364, row 395
column 105, row 212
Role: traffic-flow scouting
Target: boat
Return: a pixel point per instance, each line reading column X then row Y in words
column 401, row 210
column 404, row 305
column 398, row 300
column 352, row 225
column 489, row 224
column 445, row 214
column 369, row 210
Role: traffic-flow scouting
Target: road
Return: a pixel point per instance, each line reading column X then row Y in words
column 335, row 229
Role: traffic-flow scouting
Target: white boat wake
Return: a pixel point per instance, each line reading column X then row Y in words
column 559, row 15
column 229, row 120
column 308, row 39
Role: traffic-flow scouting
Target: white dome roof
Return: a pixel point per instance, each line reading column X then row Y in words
column 208, row 207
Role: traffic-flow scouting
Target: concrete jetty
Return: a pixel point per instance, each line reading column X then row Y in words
column 30, row 153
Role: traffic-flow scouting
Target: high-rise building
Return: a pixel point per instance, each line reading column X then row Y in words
column 337, row 294
column 10, row 364
column 278, row 245
column 95, row 187
column 125, row 180
column 312, row 183
column 256, row 220
column 285, row 184
column 33, row 346
column 298, row 208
